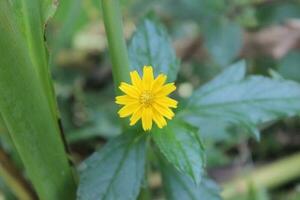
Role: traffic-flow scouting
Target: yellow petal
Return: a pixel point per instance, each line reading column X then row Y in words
column 164, row 111
column 147, row 119
column 156, row 107
column 125, row 99
column 159, row 119
column 167, row 102
column 128, row 109
column 148, row 77
column 158, row 82
column 129, row 90
column 136, row 79
column 166, row 89
column 136, row 116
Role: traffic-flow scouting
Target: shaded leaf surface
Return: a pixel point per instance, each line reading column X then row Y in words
column 289, row 66
column 150, row 45
column 178, row 186
column 114, row 172
column 247, row 101
column 223, row 39
column 181, row 146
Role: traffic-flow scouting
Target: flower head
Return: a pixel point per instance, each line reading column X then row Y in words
column 147, row 99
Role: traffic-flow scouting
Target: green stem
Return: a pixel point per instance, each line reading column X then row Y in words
column 270, row 176
column 116, row 42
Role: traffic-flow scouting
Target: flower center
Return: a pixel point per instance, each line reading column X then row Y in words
column 146, row 98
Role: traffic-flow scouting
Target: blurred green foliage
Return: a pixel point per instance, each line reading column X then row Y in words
column 222, row 25
column 86, row 103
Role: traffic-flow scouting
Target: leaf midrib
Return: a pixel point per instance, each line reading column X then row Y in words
column 229, row 103
column 117, row 171
column 185, row 187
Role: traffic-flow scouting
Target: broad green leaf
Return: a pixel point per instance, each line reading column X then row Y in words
column 249, row 102
column 213, row 131
column 234, row 73
column 223, row 39
column 150, row 45
column 114, row 172
column 207, row 124
column 208, row 128
column 289, row 66
column 3, row 129
column 178, row 186
column 31, row 18
column 27, row 113
column 181, row 146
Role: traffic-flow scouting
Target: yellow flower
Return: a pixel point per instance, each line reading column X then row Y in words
column 147, row 99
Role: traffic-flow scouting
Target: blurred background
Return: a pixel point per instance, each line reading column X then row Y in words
column 207, row 35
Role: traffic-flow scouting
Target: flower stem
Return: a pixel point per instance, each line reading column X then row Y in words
column 116, row 42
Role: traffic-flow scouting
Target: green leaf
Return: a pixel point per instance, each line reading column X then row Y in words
column 27, row 112
column 208, row 128
column 248, row 102
column 150, row 45
column 178, row 186
column 223, row 39
column 289, row 66
column 114, row 172
column 207, row 124
column 31, row 19
column 181, row 146
column 234, row 73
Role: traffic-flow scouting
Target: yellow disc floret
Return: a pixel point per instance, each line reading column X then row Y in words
column 147, row 99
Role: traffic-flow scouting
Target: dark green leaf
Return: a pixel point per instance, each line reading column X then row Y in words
column 181, row 145
column 208, row 128
column 289, row 66
column 207, row 124
column 249, row 102
column 151, row 45
column 178, row 186
column 233, row 74
column 223, row 39
column 114, row 172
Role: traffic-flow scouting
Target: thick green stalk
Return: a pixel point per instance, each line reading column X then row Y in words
column 270, row 176
column 116, row 42
column 28, row 115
